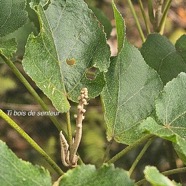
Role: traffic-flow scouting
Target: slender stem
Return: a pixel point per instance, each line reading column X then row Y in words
column 69, row 128
column 146, row 146
column 166, row 173
column 106, row 155
column 128, row 148
column 30, row 89
column 144, row 16
column 150, row 12
column 163, row 18
column 31, row 142
column 137, row 21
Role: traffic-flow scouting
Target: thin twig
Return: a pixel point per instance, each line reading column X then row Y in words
column 30, row 89
column 128, row 148
column 146, row 146
column 69, row 128
column 106, row 155
column 137, row 21
column 31, row 142
column 151, row 12
column 144, row 16
column 162, row 21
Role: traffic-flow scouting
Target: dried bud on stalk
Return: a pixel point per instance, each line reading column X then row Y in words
column 70, row 158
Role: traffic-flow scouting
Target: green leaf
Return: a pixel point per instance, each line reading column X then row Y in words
column 120, row 27
column 14, row 171
column 161, row 55
column 87, row 175
column 171, row 114
column 103, row 20
column 129, row 94
column 13, row 16
column 181, row 46
column 70, row 43
column 8, row 47
column 153, row 176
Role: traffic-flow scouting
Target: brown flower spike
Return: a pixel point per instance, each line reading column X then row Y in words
column 68, row 156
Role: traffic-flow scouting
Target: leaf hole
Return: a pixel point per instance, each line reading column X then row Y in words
column 91, row 73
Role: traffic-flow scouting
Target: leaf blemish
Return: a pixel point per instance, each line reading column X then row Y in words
column 71, row 61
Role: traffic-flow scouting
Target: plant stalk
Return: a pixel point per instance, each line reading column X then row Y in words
column 30, row 89
column 69, row 128
column 150, row 12
column 144, row 16
column 137, row 21
column 164, row 15
column 128, row 148
column 146, row 146
column 31, row 142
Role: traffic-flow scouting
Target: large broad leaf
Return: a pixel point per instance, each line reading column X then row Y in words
column 129, row 94
column 71, row 41
column 87, row 175
column 130, row 91
column 171, row 113
column 161, row 55
column 14, row 171
column 153, row 176
column 12, row 16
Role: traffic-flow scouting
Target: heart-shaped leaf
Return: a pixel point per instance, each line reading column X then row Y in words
column 160, row 54
column 12, row 16
column 171, row 113
column 60, row 58
column 14, row 171
column 130, row 91
column 87, row 175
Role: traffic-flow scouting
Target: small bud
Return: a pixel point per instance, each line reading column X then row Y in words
column 75, row 116
column 83, row 110
column 79, row 107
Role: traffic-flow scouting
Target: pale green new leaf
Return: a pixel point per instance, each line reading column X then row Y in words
column 14, row 171
column 160, row 54
column 153, row 176
column 129, row 94
column 12, row 16
column 88, row 175
column 71, row 41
